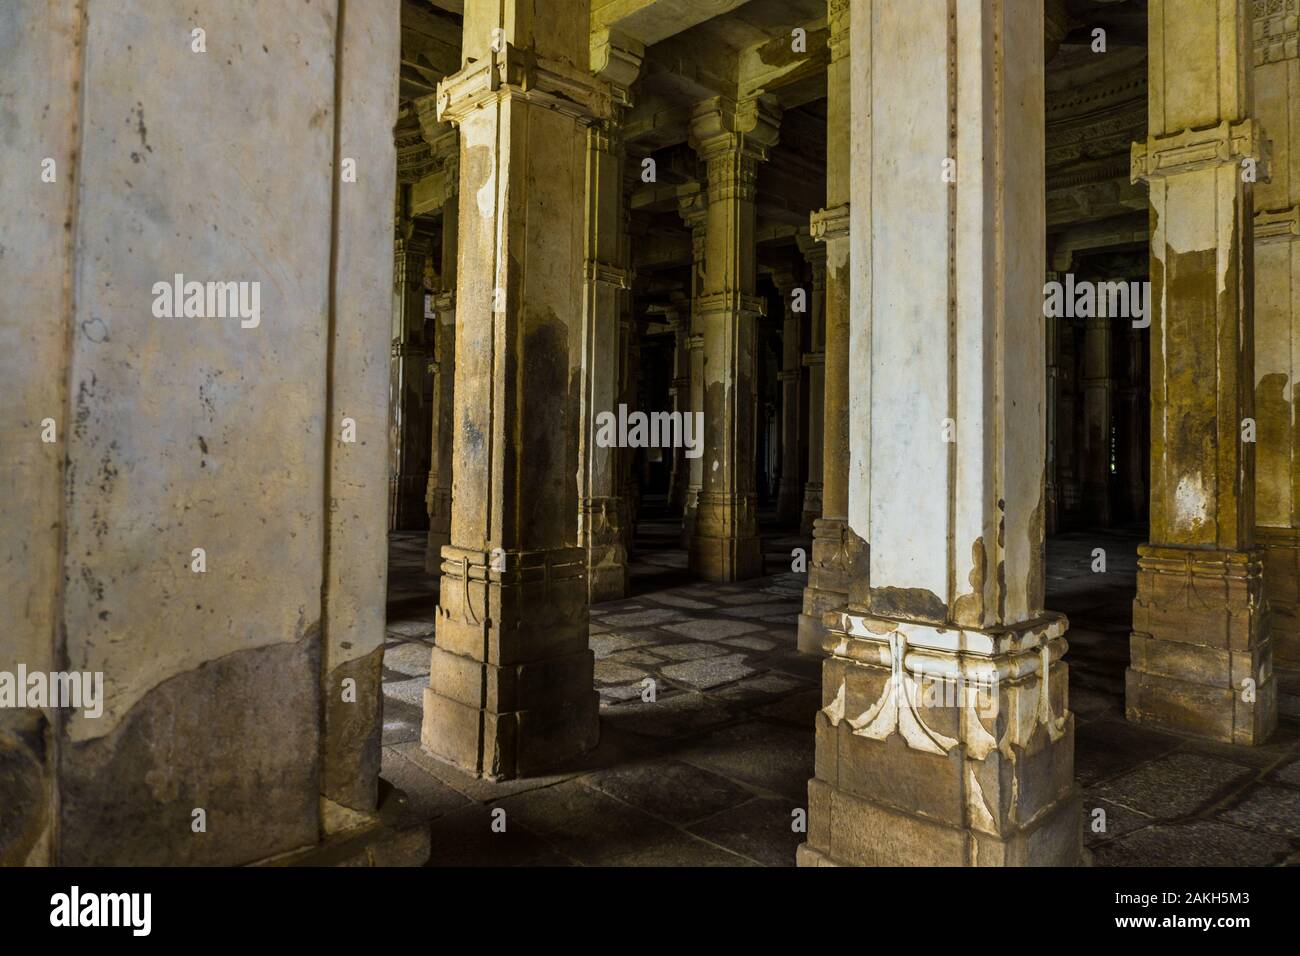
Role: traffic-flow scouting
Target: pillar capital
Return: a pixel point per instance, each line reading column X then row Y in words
column 616, row 58
column 518, row 74
column 724, row 128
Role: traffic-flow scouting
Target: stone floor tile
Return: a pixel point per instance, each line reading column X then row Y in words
column 428, row 796
column 411, row 659
column 1174, row 785
column 669, row 789
column 761, row 829
column 1105, row 748
column 465, row 838
column 609, row 671
column 709, row 671
column 409, row 691
column 774, row 757
column 654, row 616
column 669, row 716
column 713, row 629
column 1198, row 843
column 689, row 651
column 1118, row 820
column 1271, row 809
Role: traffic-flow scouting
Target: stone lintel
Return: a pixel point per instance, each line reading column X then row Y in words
column 721, row 125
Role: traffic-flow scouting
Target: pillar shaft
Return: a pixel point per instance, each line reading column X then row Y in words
column 834, row 551
column 1277, row 336
column 693, row 206
column 511, row 677
column 1098, row 411
column 601, row 518
column 680, row 392
column 789, row 497
column 944, row 736
column 409, row 421
column 731, row 139
column 815, row 362
column 446, row 146
column 1200, row 654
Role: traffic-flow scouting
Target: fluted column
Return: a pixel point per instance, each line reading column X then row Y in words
column 1277, row 332
column 510, row 684
column 732, row 139
column 834, row 551
column 945, row 736
column 1201, row 657
column 814, row 360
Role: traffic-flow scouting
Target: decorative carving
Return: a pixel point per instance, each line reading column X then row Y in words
column 827, row 224
column 1277, row 30
column 1228, row 143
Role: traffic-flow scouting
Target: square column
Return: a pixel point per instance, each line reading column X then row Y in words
column 1277, row 335
column 732, row 139
column 510, row 684
column 680, row 392
column 408, row 422
column 945, row 736
column 835, row 551
column 1201, row 658
column 1098, row 411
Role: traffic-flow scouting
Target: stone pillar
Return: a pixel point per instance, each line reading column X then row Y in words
column 945, row 736
column 1201, row 658
column 510, row 683
column 789, row 496
column 601, row 518
column 1277, row 333
column 680, row 391
column 834, row 551
column 731, row 139
column 629, row 384
column 1098, row 406
column 815, row 361
column 693, row 207
column 221, row 682
column 445, row 145
column 409, row 426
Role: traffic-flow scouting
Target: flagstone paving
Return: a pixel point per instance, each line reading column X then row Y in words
column 707, row 731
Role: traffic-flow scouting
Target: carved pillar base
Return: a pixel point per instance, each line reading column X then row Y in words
column 812, row 507
column 602, row 535
column 726, row 545
column 1281, row 557
column 510, row 683
column 835, row 553
column 1199, row 634
column 943, row 746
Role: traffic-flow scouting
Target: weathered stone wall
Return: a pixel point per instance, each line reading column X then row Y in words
column 184, row 433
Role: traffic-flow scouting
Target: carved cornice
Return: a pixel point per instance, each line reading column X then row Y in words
column 736, row 303
column 1192, row 149
column 519, row 74
column 604, row 272
column 1277, row 30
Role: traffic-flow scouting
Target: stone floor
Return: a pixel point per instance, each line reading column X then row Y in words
column 714, row 770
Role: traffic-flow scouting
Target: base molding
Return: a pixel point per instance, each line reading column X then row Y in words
column 1201, row 658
